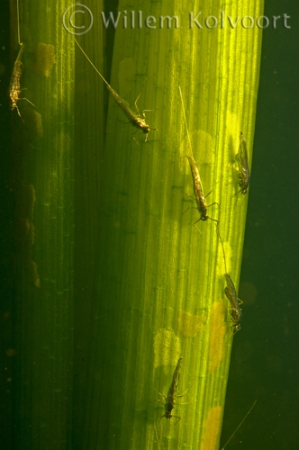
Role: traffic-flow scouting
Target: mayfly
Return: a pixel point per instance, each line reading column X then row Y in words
column 200, row 198
column 243, row 170
column 240, row 424
column 14, row 85
column 170, row 398
column 231, row 293
column 134, row 119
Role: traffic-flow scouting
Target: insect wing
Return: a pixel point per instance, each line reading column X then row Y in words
column 242, row 160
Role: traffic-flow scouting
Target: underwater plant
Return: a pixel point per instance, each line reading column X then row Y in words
column 128, row 286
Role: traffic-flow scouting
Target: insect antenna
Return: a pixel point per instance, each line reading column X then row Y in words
column 220, row 238
column 18, row 22
column 91, row 63
column 185, row 122
column 240, row 424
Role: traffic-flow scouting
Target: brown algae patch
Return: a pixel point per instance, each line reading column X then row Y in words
column 34, row 124
column 212, row 428
column 34, row 274
column 43, row 59
column 25, row 200
column 24, row 235
column 167, row 348
column 190, row 324
column 217, row 334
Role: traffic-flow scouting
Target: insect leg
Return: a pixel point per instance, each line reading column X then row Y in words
column 196, row 222
column 215, row 203
column 214, row 220
column 24, row 98
column 190, row 207
column 137, row 109
column 177, row 417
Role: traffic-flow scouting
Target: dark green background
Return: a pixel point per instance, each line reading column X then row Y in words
column 265, row 360
column 6, row 257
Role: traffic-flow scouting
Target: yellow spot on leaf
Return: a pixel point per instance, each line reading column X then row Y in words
column 233, row 127
column 167, row 348
column 43, row 59
column 202, row 148
column 212, row 428
column 190, row 324
column 217, row 334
